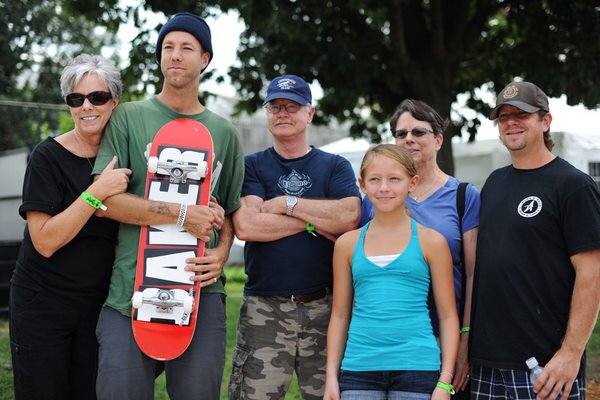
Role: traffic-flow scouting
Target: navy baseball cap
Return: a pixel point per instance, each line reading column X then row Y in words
column 524, row 95
column 289, row 87
column 190, row 23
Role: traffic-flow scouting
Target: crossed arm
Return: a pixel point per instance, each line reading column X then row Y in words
column 261, row 220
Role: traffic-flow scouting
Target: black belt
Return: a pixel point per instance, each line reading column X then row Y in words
column 305, row 298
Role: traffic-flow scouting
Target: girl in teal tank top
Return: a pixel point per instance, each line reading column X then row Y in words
column 379, row 332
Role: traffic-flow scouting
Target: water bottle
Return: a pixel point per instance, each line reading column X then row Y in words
column 534, row 369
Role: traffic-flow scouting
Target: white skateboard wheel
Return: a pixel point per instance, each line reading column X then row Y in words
column 152, row 164
column 202, row 169
column 188, row 304
column 137, row 300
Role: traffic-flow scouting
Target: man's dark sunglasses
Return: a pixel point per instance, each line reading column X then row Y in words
column 96, row 98
column 416, row 132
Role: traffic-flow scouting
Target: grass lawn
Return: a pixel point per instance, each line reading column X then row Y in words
column 235, row 285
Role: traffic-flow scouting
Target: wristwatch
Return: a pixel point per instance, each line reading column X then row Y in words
column 290, row 203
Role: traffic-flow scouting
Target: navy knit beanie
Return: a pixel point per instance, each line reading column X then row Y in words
column 190, row 23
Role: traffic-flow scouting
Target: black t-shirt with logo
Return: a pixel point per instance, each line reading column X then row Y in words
column 531, row 222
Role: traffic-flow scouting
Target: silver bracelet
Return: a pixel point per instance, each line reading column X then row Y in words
column 182, row 213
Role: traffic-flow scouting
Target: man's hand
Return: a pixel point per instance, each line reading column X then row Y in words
column 209, row 267
column 218, row 212
column 199, row 222
column 276, row 205
column 461, row 370
column 558, row 376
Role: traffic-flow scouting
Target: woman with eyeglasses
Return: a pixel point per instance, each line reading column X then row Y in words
column 419, row 129
column 62, row 274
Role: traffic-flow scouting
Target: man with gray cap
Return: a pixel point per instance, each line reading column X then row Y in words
column 183, row 51
column 538, row 261
column 296, row 200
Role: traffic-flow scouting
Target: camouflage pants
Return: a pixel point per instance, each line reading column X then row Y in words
column 275, row 338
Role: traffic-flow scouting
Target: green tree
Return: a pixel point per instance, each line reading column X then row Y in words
column 37, row 39
column 368, row 55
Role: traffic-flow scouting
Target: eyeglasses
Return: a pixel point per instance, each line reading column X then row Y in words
column 289, row 108
column 416, row 132
column 96, row 98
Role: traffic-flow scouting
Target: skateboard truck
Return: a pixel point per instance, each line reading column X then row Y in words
column 164, row 300
column 178, row 170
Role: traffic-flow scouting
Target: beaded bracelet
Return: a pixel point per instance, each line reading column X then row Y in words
column 182, row 213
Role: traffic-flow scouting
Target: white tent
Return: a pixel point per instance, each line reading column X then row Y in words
column 475, row 161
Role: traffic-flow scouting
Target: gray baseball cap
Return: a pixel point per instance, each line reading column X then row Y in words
column 523, row 95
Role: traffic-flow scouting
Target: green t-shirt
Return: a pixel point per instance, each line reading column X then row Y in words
column 130, row 131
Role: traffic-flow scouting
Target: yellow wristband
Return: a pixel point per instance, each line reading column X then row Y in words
column 92, row 201
column 465, row 329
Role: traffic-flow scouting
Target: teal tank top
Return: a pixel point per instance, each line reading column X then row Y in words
column 390, row 328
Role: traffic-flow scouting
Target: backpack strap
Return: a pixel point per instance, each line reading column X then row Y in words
column 461, row 199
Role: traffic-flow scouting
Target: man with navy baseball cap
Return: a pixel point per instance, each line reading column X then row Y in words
column 183, row 50
column 289, row 87
column 296, row 200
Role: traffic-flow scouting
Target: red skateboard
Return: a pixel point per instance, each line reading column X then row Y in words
column 165, row 301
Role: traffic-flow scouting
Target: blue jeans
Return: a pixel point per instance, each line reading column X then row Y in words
column 380, row 385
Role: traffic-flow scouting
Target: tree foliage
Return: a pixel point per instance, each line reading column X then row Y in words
column 371, row 54
column 37, row 39
column 368, row 55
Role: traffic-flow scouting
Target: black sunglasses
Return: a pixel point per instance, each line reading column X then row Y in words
column 96, row 98
column 416, row 132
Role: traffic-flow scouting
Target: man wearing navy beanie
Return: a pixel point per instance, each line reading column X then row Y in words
column 183, row 51
column 190, row 23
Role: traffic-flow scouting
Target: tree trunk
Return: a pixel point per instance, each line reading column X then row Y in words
column 442, row 103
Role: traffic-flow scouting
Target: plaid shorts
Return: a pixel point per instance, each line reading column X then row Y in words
column 498, row 383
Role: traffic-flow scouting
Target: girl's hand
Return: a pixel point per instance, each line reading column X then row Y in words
column 332, row 391
column 440, row 394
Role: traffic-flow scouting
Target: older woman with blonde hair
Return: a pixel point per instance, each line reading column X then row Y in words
column 62, row 274
column 418, row 128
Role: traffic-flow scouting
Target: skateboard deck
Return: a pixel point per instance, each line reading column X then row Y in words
column 165, row 301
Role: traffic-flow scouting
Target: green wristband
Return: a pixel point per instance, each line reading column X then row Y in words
column 447, row 387
column 465, row 329
column 310, row 228
column 92, row 201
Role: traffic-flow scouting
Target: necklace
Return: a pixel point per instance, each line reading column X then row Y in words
column 81, row 149
column 432, row 188
column 422, row 195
